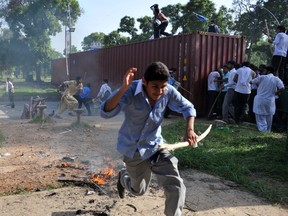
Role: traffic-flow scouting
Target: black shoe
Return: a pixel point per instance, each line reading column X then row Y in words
column 120, row 188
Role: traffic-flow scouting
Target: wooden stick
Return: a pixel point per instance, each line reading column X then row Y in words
column 216, row 99
column 268, row 35
column 84, row 77
column 172, row 147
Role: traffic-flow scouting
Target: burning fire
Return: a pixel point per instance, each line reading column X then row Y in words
column 103, row 178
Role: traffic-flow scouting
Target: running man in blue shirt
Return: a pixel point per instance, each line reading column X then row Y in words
column 143, row 102
column 85, row 98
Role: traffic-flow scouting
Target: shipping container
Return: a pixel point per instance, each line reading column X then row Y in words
column 194, row 55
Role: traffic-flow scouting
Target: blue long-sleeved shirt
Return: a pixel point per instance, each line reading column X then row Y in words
column 86, row 93
column 141, row 129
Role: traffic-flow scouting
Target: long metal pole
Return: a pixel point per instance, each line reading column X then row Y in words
column 271, row 14
column 66, row 53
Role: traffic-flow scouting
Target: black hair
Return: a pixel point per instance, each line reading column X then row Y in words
column 270, row 69
column 105, row 80
column 237, row 66
column 262, row 67
column 156, row 11
column 78, row 78
column 246, row 63
column 281, row 28
column 233, row 63
column 157, row 71
column 154, row 6
column 88, row 85
column 253, row 67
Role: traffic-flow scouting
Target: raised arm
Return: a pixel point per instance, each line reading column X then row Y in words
column 112, row 102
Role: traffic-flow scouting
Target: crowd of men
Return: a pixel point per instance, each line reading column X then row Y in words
column 244, row 92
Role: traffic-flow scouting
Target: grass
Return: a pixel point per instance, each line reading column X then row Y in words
column 254, row 160
column 29, row 89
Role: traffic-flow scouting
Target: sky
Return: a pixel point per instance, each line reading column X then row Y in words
column 104, row 16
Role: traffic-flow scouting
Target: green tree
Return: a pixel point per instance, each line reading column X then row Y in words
column 145, row 25
column 127, row 25
column 114, row 38
column 224, row 20
column 32, row 24
column 92, row 39
column 257, row 22
column 174, row 13
column 73, row 49
column 181, row 18
column 188, row 22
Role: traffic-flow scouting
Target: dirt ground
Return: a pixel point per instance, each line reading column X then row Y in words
column 36, row 158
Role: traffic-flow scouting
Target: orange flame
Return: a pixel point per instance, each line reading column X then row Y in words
column 103, row 178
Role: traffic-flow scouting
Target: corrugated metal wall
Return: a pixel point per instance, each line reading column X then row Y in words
column 195, row 55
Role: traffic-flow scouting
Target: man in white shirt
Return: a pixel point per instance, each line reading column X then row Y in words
column 264, row 102
column 213, row 89
column 227, row 106
column 104, row 91
column 280, row 52
column 222, row 85
column 10, row 91
column 242, row 91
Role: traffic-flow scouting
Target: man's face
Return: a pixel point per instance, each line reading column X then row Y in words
column 229, row 66
column 155, row 89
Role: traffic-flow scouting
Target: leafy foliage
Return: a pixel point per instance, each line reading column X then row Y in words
column 258, row 20
column 31, row 24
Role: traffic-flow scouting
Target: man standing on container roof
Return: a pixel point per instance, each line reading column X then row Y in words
column 160, row 22
column 280, row 52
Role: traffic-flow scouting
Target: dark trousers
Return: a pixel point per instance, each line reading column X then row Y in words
column 161, row 30
column 85, row 101
column 250, row 103
column 220, row 103
column 211, row 96
column 240, row 102
column 11, row 99
column 278, row 63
